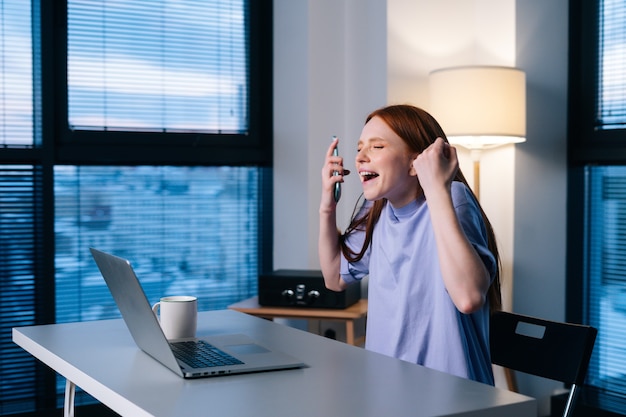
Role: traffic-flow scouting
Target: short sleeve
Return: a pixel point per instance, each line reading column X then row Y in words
column 470, row 218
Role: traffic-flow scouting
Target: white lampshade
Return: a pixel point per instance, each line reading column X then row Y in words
column 479, row 107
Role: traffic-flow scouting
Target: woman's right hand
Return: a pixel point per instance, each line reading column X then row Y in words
column 332, row 165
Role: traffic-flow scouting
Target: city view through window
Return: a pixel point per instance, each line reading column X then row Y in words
column 185, row 231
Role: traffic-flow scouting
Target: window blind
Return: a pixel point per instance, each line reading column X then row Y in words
column 16, row 112
column 186, row 230
column 140, row 66
column 172, row 66
column 604, row 273
column 19, row 260
column 19, row 200
column 612, row 63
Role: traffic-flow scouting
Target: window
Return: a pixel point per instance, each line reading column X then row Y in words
column 151, row 141
column 20, row 250
column 16, row 92
column 612, row 65
column 182, row 69
column 597, row 191
column 606, row 274
column 186, row 230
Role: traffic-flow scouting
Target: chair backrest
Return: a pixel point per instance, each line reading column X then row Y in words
column 553, row 350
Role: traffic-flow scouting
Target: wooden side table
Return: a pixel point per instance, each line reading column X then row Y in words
column 348, row 315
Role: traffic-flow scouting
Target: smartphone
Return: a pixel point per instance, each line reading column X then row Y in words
column 337, row 191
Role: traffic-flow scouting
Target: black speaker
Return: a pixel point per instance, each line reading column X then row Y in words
column 303, row 288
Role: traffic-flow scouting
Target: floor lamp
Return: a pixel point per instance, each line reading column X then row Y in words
column 479, row 107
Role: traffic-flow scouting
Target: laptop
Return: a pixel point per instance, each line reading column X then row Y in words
column 214, row 355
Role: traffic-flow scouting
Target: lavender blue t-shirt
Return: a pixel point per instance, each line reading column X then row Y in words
column 410, row 314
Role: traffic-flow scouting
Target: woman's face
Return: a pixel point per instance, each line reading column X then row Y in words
column 384, row 164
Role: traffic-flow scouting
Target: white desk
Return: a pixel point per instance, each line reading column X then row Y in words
column 341, row 380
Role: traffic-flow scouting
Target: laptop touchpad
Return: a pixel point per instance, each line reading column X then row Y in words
column 247, row 349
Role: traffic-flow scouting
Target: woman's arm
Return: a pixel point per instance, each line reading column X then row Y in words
column 464, row 274
column 329, row 250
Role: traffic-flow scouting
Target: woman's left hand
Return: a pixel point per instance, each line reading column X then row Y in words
column 436, row 166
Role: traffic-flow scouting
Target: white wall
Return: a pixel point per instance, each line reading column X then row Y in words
column 336, row 60
column 329, row 73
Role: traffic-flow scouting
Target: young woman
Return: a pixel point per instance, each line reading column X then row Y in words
column 423, row 240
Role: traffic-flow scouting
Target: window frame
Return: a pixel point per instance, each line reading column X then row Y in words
column 171, row 148
column 586, row 146
column 54, row 144
column 585, row 143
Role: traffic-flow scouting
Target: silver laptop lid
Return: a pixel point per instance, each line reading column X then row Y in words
column 135, row 308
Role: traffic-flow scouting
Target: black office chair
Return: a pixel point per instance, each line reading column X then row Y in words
column 553, row 350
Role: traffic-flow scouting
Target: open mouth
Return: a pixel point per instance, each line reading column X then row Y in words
column 367, row 175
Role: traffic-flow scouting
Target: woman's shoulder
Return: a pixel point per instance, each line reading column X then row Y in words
column 461, row 194
column 458, row 188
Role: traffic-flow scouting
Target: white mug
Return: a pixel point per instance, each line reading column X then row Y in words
column 178, row 316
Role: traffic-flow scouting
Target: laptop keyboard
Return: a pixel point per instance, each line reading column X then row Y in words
column 200, row 354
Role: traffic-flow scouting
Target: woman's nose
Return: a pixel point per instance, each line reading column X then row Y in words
column 361, row 155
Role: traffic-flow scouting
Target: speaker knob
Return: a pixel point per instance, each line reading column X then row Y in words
column 314, row 294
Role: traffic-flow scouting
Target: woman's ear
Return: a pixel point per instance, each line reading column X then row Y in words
column 412, row 171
